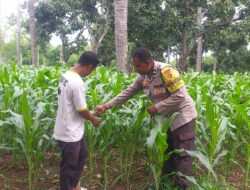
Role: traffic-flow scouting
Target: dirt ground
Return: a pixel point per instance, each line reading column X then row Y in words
column 14, row 176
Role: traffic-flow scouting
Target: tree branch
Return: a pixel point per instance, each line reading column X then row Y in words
column 218, row 25
column 106, row 27
column 77, row 37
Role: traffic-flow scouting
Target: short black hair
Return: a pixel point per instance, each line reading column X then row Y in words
column 142, row 54
column 88, row 58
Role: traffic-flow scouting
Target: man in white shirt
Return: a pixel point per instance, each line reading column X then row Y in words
column 69, row 126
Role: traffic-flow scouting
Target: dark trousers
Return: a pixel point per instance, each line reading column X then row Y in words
column 181, row 138
column 73, row 156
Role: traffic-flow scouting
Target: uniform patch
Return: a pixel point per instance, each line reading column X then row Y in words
column 159, row 90
column 172, row 79
column 146, row 82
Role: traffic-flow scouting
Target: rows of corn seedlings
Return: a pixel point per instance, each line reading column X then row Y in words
column 28, row 103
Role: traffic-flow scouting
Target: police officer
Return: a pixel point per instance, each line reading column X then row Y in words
column 163, row 85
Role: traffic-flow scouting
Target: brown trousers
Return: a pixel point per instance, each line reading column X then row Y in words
column 181, row 138
column 73, row 156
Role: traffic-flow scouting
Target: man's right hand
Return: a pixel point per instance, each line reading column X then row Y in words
column 100, row 109
column 88, row 116
column 95, row 121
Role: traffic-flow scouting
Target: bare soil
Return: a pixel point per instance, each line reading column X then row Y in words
column 13, row 176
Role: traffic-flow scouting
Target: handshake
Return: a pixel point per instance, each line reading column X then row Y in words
column 98, row 111
column 101, row 109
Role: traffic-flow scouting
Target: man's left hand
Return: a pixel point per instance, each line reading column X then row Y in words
column 152, row 110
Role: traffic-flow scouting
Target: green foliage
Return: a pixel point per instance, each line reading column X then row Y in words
column 49, row 56
column 69, row 20
column 63, row 18
column 157, row 145
column 28, row 109
column 148, row 26
column 229, row 47
column 157, row 25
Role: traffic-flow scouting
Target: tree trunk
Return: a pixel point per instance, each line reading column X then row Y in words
column 62, row 50
column 215, row 65
column 95, row 43
column 184, row 42
column 31, row 10
column 18, row 44
column 94, row 47
column 169, row 52
column 176, row 60
column 1, row 37
column 199, row 42
column 184, row 52
column 121, row 34
column 38, row 58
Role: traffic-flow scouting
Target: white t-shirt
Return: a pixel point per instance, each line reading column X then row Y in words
column 69, row 125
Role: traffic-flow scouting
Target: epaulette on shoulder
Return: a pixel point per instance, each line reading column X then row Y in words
column 163, row 65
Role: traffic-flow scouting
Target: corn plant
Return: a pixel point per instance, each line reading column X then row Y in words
column 246, row 118
column 104, row 132
column 214, row 133
column 157, row 146
column 10, row 94
column 30, row 137
column 129, row 138
column 222, row 102
column 90, row 137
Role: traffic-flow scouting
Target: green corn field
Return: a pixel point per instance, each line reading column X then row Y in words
column 127, row 149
